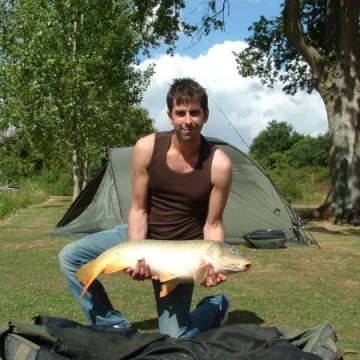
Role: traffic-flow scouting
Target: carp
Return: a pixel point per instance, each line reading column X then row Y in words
column 173, row 261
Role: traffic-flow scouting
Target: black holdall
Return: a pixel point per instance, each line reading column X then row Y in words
column 266, row 239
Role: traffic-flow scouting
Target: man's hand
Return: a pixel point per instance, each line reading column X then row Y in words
column 141, row 272
column 213, row 279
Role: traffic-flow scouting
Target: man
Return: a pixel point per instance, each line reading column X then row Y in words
column 180, row 183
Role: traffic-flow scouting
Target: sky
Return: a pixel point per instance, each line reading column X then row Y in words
column 240, row 108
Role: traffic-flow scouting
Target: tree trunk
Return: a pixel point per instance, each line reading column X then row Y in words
column 340, row 90
column 336, row 77
column 76, row 173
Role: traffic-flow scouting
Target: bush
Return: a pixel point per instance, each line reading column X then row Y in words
column 306, row 185
column 13, row 200
column 54, row 182
column 310, row 151
column 286, row 181
column 34, row 191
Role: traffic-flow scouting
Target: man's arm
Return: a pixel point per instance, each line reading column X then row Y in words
column 138, row 216
column 221, row 177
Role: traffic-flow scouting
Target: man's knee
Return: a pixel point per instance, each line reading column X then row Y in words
column 66, row 255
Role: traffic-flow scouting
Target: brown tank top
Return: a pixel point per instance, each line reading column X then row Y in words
column 178, row 202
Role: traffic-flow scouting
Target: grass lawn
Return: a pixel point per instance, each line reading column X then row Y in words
column 295, row 287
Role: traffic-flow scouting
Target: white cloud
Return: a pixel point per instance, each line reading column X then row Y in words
column 237, row 105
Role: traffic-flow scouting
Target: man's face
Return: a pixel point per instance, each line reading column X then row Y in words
column 188, row 119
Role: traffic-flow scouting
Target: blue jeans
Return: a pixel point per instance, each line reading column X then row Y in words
column 173, row 310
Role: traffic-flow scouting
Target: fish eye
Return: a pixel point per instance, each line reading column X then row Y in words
column 234, row 252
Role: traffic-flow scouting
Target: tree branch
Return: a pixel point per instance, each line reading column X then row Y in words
column 296, row 37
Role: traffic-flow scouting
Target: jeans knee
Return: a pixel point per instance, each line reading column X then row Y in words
column 66, row 257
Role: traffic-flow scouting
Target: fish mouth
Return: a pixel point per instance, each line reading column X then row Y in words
column 236, row 268
column 246, row 267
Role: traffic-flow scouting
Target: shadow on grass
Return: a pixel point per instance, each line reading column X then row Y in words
column 150, row 324
column 235, row 317
column 244, row 317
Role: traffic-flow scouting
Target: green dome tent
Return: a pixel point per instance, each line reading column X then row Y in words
column 254, row 202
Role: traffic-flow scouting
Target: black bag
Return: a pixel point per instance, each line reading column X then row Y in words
column 266, row 239
column 52, row 338
column 27, row 341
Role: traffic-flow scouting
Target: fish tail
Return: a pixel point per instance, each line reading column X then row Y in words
column 86, row 275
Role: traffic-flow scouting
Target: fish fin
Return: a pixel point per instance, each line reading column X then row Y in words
column 111, row 268
column 86, row 275
column 167, row 288
column 165, row 277
column 201, row 273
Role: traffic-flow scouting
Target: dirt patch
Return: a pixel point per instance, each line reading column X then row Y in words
column 53, row 199
column 28, row 245
column 328, row 227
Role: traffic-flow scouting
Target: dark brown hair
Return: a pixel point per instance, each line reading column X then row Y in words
column 186, row 90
